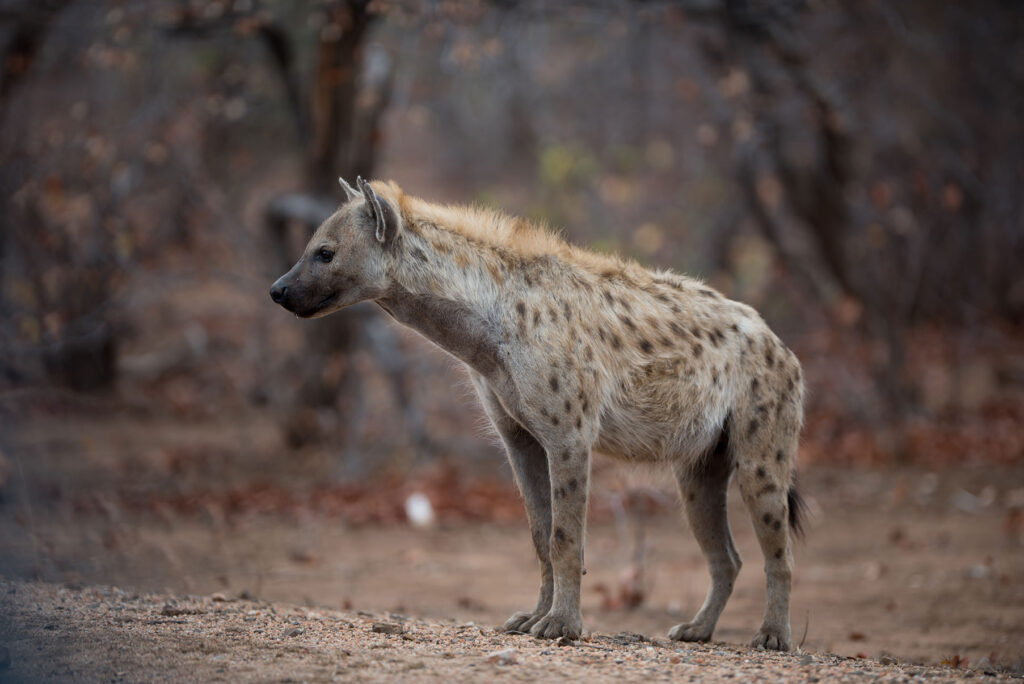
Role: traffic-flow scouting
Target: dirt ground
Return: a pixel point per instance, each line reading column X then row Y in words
column 900, row 566
column 59, row 634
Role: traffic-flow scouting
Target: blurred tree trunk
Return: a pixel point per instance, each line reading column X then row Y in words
column 795, row 175
column 339, row 62
column 340, row 137
column 83, row 354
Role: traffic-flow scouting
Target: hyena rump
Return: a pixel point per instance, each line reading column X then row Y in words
column 571, row 352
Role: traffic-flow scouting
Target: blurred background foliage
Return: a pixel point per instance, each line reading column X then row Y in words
column 851, row 169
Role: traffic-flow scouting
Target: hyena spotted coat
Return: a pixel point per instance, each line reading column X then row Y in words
column 573, row 352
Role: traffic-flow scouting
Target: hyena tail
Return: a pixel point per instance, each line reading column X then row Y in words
column 797, row 512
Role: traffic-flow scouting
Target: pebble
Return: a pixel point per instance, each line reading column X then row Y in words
column 887, row 660
column 294, row 632
column 171, row 609
column 386, row 628
column 506, row 656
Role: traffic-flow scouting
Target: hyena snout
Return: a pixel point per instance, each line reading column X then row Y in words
column 286, row 292
column 278, row 292
column 297, row 294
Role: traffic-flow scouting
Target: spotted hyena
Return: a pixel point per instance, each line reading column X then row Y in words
column 572, row 352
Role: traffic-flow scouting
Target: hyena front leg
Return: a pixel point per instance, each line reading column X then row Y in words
column 569, row 468
column 530, row 467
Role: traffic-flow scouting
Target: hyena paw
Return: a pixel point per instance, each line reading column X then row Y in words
column 521, row 622
column 772, row 639
column 555, row 625
column 691, row 631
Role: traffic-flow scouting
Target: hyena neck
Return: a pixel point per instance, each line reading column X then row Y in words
column 441, row 289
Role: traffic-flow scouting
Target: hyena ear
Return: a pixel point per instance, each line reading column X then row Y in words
column 350, row 192
column 386, row 218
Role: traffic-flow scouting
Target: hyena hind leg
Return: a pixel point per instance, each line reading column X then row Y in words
column 703, row 490
column 765, row 482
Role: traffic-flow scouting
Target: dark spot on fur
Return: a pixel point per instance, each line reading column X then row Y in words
column 567, row 311
column 714, row 378
column 566, row 455
column 528, row 279
column 690, row 496
column 696, row 332
column 665, row 342
column 760, row 471
column 735, row 328
column 536, row 318
column 616, row 342
column 698, row 349
column 778, row 553
column 554, row 420
column 645, row 346
column 609, row 297
column 579, row 422
column 560, row 534
column 521, row 308
column 707, row 293
column 568, row 406
column 779, row 456
column 573, row 484
column 600, row 333
column 419, row 254
column 777, row 525
column 769, row 357
column 767, row 519
column 553, row 381
column 677, row 329
column 754, row 384
column 767, row 489
column 560, row 492
column 754, row 425
column 588, row 353
column 544, row 412
column 628, row 322
column 586, row 405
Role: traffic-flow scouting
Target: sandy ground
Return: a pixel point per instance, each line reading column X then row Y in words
column 902, row 567
column 106, row 634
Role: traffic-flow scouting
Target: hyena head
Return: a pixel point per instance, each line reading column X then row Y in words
column 346, row 260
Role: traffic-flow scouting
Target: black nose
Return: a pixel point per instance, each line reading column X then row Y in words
column 277, row 292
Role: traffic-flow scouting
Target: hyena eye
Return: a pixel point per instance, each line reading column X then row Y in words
column 325, row 255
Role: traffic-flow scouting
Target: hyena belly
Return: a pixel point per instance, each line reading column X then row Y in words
column 668, row 410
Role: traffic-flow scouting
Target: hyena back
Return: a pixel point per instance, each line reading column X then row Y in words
column 573, row 352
